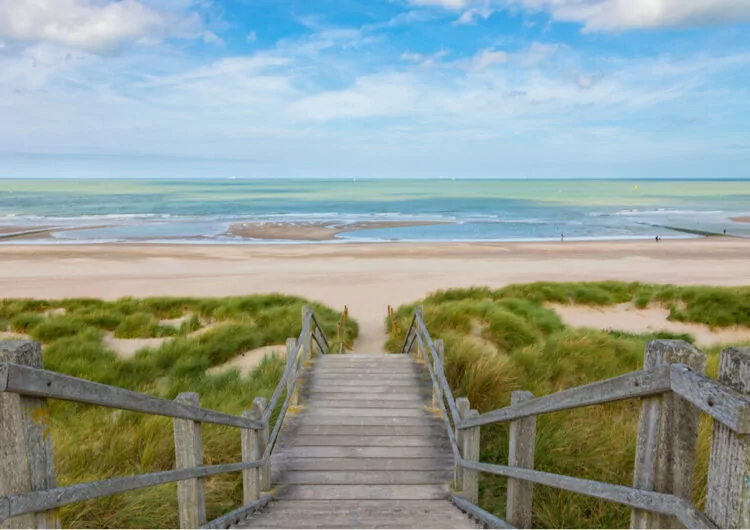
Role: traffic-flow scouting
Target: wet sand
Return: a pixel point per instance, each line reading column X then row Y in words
column 741, row 219
column 315, row 231
column 366, row 277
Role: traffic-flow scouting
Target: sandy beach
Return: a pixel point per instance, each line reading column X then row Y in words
column 366, row 277
column 741, row 219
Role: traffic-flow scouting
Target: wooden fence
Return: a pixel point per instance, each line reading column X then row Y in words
column 28, row 491
column 673, row 391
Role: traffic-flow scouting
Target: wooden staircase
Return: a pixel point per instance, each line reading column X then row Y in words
column 363, row 450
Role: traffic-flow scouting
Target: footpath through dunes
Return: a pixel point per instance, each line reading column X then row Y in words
column 362, row 451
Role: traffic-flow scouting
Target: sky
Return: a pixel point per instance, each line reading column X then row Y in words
column 375, row 88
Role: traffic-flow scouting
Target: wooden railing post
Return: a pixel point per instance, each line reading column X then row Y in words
column 419, row 310
column 463, row 406
column 728, row 498
column 291, row 344
column 307, row 340
column 188, row 448
column 26, row 462
column 436, row 391
column 259, row 406
column 250, row 453
column 521, row 454
column 667, row 435
column 467, row 480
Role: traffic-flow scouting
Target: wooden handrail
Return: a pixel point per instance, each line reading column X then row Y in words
column 31, row 382
column 666, row 374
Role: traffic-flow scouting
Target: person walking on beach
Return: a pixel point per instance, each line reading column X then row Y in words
column 562, row 236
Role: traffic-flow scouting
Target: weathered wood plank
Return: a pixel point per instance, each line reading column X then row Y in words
column 354, row 419
column 361, row 452
column 362, row 413
column 636, row 384
column 718, row 401
column 522, row 443
column 366, row 404
column 645, row 500
column 728, row 498
column 367, row 396
column 364, row 492
column 366, row 464
column 54, row 498
column 436, row 391
column 42, row 383
column 378, row 387
column 677, row 433
column 259, row 407
column 364, row 384
column 291, row 363
column 489, row 520
column 26, row 461
column 434, row 432
column 365, row 477
column 188, row 448
column 250, row 441
column 363, row 441
column 471, row 443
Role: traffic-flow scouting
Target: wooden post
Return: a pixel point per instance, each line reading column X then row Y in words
column 188, row 448
column 250, row 453
column 467, row 480
column 291, row 343
column 521, row 454
column 463, row 406
column 259, row 406
column 307, row 341
column 26, row 462
column 667, row 435
column 436, row 391
column 728, row 498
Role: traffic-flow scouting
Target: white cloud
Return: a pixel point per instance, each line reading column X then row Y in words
column 487, row 58
column 455, row 5
column 94, row 26
column 614, row 15
column 252, row 36
column 470, row 16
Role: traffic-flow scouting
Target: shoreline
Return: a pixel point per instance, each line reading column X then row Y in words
column 313, row 230
column 740, row 219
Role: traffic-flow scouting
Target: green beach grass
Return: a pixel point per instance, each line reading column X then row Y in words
column 497, row 341
column 94, row 443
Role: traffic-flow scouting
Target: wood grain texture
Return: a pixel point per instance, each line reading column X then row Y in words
column 42, row 383
column 188, row 448
column 728, row 497
column 522, row 443
column 250, row 440
column 651, row 501
column 636, row 384
column 26, row 462
column 677, row 435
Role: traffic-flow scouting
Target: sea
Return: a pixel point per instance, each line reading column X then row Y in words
column 201, row 211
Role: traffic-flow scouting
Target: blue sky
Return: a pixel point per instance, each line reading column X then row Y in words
column 375, row 88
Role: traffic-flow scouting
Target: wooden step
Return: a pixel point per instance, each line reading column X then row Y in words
column 363, row 492
column 367, row 464
column 434, row 431
column 366, row 477
column 361, row 452
column 328, row 395
column 362, row 441
column 367, row 404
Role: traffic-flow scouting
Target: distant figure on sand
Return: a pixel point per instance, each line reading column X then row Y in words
column 725, row 231
column 562, row 236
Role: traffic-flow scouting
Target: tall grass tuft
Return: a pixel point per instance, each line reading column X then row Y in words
column 93, row 443
column 504, row 340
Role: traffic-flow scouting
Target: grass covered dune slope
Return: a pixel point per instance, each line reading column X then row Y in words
column 497, row 341
column 94, row 443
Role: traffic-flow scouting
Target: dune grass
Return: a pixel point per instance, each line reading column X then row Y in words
column 94, row 443
column 497, row 341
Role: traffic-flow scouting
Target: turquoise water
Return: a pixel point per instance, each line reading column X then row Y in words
column 170, row 210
